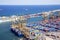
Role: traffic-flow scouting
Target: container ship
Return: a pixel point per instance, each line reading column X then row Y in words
column 38, row 30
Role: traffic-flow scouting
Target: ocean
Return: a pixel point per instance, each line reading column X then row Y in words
column 9, row 10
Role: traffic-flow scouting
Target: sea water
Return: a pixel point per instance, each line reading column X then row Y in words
column 9, row 10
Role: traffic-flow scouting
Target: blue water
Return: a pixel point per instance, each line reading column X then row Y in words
column 8, row 10
column 5, row 33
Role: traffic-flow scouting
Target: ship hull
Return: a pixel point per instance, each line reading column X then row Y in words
column 18, row 33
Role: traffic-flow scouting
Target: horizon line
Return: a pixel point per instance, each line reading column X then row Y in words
column 45, row 4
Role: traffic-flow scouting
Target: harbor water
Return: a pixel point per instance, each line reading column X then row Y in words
column 5, row 32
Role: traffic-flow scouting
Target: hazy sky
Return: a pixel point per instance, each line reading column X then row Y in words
column 29, row 2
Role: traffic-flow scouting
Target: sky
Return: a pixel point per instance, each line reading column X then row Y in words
column 29, row 2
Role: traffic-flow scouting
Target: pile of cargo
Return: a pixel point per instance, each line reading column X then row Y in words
column 53, row 35
column 50, row 26
column 46, row 25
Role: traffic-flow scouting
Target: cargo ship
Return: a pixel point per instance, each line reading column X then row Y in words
column 17, row 32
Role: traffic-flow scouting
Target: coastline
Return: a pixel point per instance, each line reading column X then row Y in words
column 14, row 17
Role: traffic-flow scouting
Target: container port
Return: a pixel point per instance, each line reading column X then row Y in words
column 47, row 29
